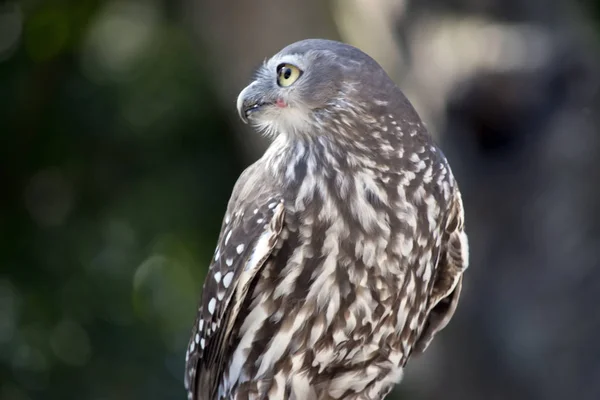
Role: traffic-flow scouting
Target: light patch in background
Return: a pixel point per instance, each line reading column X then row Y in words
column 131, row 48
column 445, row 50
column 118, row 39
column 49, row 197
column 163, row 285
column 70, row 343
column 11, row 28
column 369, row 25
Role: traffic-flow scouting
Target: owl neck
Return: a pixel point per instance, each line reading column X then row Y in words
column 291, row 160
column 322, row 180
column 317, row 164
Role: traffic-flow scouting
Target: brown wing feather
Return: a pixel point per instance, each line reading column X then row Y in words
column 447, row 285
column 249, row 233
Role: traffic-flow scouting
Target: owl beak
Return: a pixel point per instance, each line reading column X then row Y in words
column 249, row 101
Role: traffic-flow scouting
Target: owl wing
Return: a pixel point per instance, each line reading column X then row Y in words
column 249, row 233
column 453, row 261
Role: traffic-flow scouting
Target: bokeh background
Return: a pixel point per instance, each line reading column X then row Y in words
column 119, row 146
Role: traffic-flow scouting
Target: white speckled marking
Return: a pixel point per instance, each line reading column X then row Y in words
column 227, row 279
column 211, row 305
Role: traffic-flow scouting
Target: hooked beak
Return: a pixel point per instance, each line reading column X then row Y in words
column 250, row 101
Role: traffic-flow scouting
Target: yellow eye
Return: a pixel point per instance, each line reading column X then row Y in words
column 287, row 74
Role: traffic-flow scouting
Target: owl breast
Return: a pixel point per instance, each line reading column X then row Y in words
column 337, row 307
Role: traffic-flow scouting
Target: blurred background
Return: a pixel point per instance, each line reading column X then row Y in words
column 120, row 143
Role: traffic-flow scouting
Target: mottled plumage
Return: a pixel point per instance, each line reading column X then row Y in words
column 342, row 249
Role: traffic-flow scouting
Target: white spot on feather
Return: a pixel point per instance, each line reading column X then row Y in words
column 227, row 279
column 211, row 305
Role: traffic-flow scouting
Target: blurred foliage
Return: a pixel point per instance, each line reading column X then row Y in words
column 115, row 165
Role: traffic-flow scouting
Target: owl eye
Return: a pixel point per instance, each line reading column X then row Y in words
column 287, row 74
